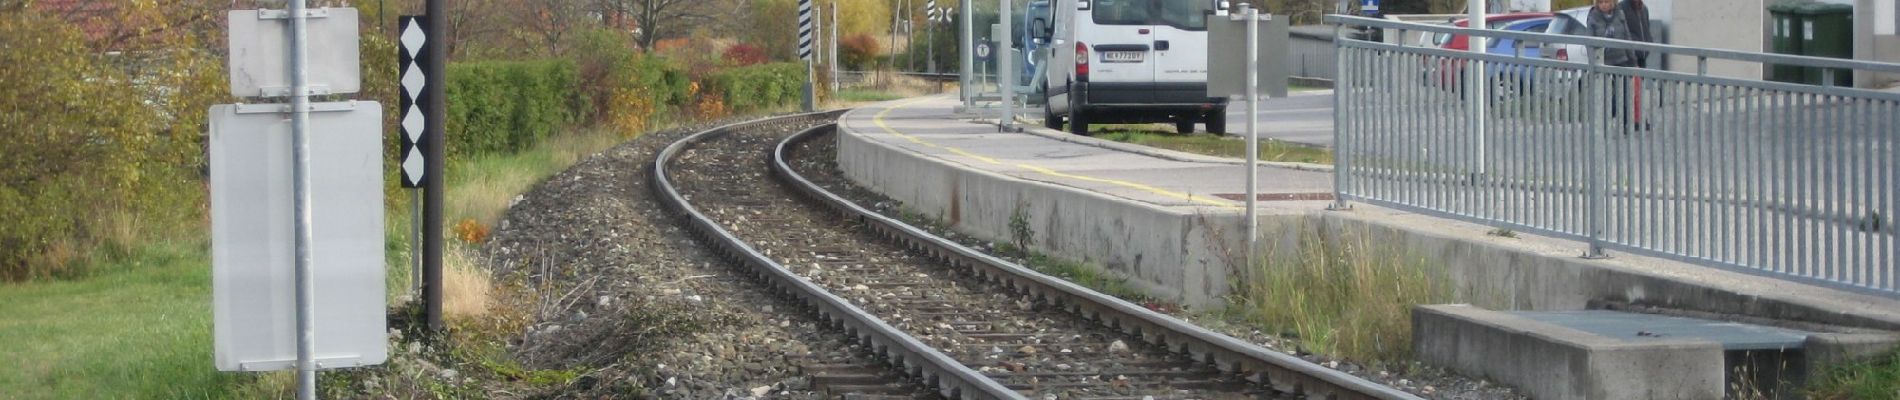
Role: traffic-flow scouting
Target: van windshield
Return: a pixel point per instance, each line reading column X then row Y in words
column 1184, row 14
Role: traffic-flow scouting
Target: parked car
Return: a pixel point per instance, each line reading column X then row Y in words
column 1573, row 22
column 1452, row 71
column 1496, row 21
column 1129, row 61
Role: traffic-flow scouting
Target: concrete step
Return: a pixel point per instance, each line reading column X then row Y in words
column 1602, row 354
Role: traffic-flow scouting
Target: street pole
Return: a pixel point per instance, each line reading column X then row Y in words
column 930, row 47
column 891, row 60
column 1479, row 98
column 966, row 54
column 1006, row 68
column 1252, row 16
column 301, row 199
column 910, row 36
column 435, row 108
column 811, row 58
column 834, row 47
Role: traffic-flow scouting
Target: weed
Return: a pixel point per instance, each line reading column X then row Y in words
column 1502, row 232
column 1877, row 378
column 1216, row 145
column 1343, row 296
column 1020, row 234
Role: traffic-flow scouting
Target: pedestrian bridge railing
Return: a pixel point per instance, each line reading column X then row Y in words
column 1781, row 179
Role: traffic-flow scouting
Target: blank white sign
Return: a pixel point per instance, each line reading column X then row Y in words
column 260, row 53
column 253, row 271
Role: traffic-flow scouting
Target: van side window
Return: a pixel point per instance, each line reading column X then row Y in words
column 1123, row 12
column 1185, row 14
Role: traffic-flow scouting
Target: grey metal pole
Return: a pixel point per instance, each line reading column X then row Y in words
column 415, row 241
column 435, row 107
column 910, row 36
column 811, row 62
column 891, row 60
column 930, row 47
column 1480, row 98
column 1252, row 16
column 301, row 199
column 1006, row 67
column 966, row 54
column 834, row 47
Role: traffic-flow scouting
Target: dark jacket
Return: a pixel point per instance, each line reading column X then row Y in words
column 1612, row 25
column 1636, row 16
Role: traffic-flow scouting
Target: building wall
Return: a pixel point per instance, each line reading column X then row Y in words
column 1724, row 24
column 1876, row 23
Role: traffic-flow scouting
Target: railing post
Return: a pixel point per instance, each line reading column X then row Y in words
column 1597, row 215
column 1342, row 140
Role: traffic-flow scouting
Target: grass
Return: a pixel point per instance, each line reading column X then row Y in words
column 1342, row 296
column 1878, row 378
column 482, row 187
column 1214, row 145
column 864, row 95
column 139, row 328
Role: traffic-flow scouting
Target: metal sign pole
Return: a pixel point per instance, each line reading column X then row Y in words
column 436, row 109
column 1252, row 15
column 1006, row 68
column 834, row 47
column 300, row 184
column 966, row 54
column 1480, row 98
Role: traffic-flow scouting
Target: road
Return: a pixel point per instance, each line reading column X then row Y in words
column 1301, row 117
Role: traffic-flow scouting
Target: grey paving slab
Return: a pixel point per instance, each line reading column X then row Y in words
column 931, row 127
column 1651, row 327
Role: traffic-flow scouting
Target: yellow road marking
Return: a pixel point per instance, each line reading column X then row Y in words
column 878, row 119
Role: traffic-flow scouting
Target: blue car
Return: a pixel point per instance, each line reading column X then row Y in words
column 1028, row 43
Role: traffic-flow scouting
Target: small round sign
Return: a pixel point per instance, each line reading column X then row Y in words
column 983, row 51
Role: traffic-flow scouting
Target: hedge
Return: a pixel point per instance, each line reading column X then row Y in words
column 507, row 106
column 761, row 87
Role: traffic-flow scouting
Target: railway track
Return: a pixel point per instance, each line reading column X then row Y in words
column 967, row 324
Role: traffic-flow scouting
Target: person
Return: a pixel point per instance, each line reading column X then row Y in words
column 1609, row 22
column 1636, row 16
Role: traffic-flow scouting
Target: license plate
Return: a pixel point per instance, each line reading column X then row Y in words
column 1122, row 56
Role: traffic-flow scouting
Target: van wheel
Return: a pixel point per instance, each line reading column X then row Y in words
column 1049, row 118
column 1217, row 121
column 1184, row 125
column 1078, row 120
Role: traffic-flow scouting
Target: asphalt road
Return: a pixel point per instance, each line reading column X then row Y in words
column 1301, row 117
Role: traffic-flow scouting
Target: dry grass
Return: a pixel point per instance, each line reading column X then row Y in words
column 1342, row 295
column 465, row 286
column 482, row 188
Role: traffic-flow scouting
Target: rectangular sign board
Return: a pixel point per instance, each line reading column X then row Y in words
column 1227, row 56
column 260, row 41
column 253, row 254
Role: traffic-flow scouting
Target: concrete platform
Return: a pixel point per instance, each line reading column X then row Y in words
column 1167, row 221
column 1598, row 354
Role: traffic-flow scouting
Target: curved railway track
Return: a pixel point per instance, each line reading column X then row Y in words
column 969, row 325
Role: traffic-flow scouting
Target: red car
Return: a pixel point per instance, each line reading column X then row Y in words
column 1494, row 21
column 1449, row 71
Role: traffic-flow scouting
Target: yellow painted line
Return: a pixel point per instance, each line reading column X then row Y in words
column 878, row 119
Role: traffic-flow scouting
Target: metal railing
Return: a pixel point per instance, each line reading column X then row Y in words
column 1777, row 179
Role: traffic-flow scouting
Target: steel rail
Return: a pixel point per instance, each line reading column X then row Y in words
column 1283, row 372
column 951, row 378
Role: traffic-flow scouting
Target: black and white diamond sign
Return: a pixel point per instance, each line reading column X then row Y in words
column 804, row 29
column 414, row 37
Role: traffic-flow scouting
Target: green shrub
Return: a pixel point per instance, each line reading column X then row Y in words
column 644, row 88
column 761, row 87
column 506, row 106
column 97, row 146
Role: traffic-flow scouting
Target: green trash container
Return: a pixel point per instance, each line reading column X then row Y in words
column 1785, row 38
column 1827, row 30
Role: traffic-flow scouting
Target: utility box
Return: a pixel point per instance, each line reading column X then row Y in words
column 1786, row 39
column 1827, row 30
column 1227, row 55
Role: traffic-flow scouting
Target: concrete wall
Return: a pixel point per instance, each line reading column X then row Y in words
column 1723, row 24
column 1310, row 53
column 1876, row 23
column 1166, row 252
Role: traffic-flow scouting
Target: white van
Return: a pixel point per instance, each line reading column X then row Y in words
column 1129, row 61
